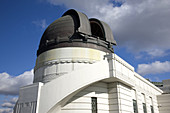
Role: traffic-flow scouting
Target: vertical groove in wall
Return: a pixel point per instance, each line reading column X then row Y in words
column 113, row 98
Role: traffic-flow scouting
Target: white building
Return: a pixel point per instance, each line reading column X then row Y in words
column 77, row 72
column 164, row 99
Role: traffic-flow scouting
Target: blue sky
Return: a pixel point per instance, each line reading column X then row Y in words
column 141, row 29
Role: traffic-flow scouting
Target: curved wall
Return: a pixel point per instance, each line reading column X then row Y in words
column 56, row 62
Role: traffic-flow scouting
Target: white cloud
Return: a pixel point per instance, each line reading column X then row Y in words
column 156, row 67
column 8, row 105
column 6, row 110
column 40, row 23
column 156, row 52
column 10, row 84
column 139, row 25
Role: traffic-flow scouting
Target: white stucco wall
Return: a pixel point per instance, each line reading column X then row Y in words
column 71, row 79
column 56, row 62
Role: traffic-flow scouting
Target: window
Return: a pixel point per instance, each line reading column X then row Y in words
column 94, row 104
column 151, row 105
column 144, row 103
column 152, row 111
column 144, row 108
column 135, row 108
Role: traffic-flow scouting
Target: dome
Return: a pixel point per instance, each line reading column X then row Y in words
column 102, row 30
column 74, row 29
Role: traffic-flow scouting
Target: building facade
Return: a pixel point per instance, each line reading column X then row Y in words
column 164, row 99
column 77, row 71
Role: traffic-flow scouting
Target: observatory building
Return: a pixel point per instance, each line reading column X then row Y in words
column 77, row 71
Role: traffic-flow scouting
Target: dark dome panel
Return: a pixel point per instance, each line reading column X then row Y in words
column 63, row 27
column 102, row 30
column 82, row 21
column 108, row 33
column 60, row 30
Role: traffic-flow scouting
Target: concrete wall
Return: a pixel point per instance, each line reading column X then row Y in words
column 110, row 99
column 81, row 102
column 142, row 86
column 29, row 97
column 71, row 79
column 164, row 103
column 56, row 62
column 113, row 97
column 124, row 98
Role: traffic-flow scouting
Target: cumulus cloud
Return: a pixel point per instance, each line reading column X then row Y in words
column 8, row 105
column 138, row 25
column 40, row 23
column 156, row 52
column 8, row 110
column 10, row 84
column 156, row 67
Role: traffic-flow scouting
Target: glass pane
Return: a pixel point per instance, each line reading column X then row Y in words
column 135, row 108
column 152, row 111
column 144, row 108
column 94, row 104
